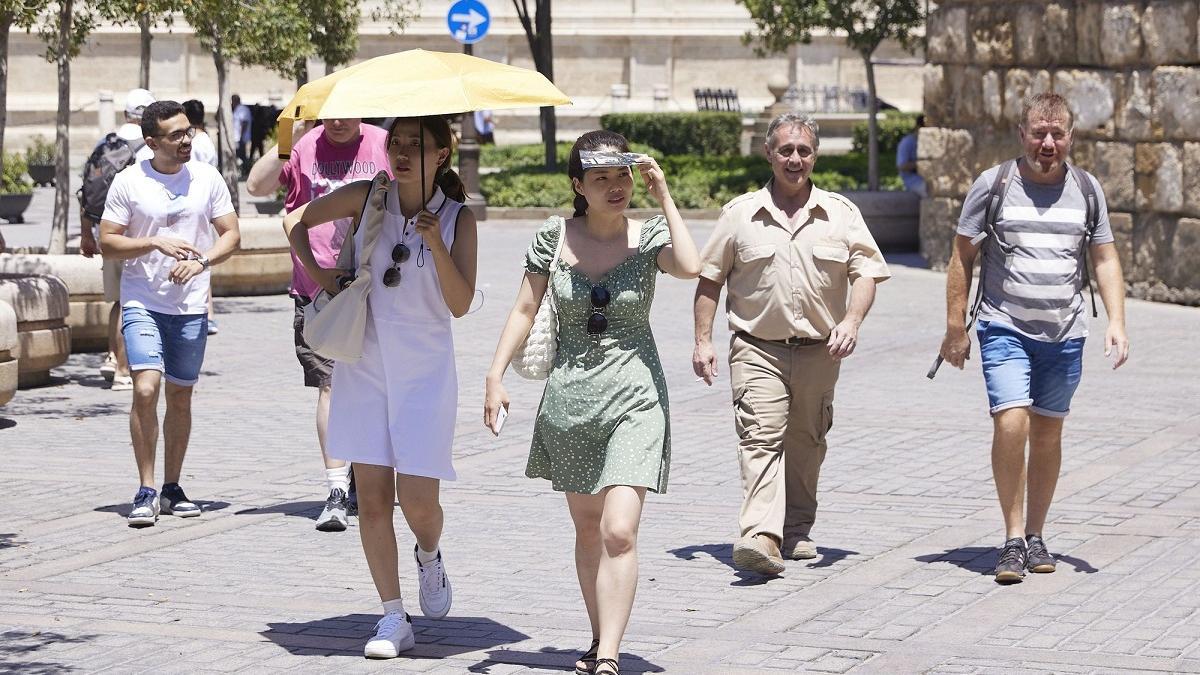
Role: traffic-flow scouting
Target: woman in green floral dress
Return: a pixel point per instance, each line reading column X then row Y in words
column 602, row 433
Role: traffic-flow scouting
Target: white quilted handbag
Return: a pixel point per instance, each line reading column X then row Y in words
column 535, row 357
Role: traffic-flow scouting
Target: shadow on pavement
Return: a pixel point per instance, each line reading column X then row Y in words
column 7, row 423
column 310, row 509
column 16, row 644
column 827, row 557
column 722, row 553
column 125, row 508
column 629, row 662
column 982, row 560
column 9, row 539
column 436, row 639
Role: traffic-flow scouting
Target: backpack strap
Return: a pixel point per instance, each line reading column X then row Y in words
column 995, row 206
column 1091, row 222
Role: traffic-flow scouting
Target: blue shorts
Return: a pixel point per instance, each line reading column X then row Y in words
column 1022, row 372
column 169, row 343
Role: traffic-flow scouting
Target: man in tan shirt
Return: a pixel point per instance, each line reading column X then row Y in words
column 790, row 253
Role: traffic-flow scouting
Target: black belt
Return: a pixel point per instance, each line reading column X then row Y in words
column 791, row 342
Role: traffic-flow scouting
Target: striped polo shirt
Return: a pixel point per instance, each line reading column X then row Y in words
column 1034, row 282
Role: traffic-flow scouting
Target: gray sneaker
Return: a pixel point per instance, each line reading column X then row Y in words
column 1010, row 568
column 758, row 553
column 333, row 518
column 800, row 547
column 1037, row 558
column 145, row 508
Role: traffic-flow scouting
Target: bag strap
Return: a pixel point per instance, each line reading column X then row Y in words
column 995, row 207
column 562, row 235
column 1092, row 206
column 346, row 257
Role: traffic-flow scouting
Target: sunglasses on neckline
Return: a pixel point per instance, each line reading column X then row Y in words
column 400, row 255
column 597, row 322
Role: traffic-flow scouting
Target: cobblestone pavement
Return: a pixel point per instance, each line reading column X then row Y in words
column 906, row 533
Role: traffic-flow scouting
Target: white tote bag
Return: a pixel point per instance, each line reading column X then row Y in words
column 334, row 325
column 535, row 357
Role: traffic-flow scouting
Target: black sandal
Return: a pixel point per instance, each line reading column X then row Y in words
column 609, row 664
column 588, row 659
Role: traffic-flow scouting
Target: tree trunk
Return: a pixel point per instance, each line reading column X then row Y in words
column 872, row 127
column 301, row 72
column 225, row 140
column 544, row 58
column 5, row 25
column 62, row 187
column 144, row 73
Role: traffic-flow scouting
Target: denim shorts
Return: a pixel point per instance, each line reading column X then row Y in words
column 1022, row 372
column 169, row 343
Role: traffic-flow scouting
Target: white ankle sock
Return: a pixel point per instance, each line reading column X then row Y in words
column 338, row 478
column 396, row 605
column 424, row 556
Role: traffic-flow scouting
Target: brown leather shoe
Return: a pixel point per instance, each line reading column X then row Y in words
column 799, row 548
column 758, row 553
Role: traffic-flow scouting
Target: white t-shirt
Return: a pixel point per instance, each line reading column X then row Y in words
column 181, row 205
column 132, row 133
column 203, row 149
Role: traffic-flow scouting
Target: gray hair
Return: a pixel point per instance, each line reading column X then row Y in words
column 795, row 119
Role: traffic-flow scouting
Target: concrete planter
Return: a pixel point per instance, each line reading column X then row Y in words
column 42, row 174
column 8, row 352
column 88, row 315
column 12, row 207
column 43, row 338
column 893, row 217
column 261, row 266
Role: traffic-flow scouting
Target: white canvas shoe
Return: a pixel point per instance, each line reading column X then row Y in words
column 393, row 634
column 436, row 594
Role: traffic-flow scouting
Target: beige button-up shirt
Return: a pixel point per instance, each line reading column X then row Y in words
column 790, row 277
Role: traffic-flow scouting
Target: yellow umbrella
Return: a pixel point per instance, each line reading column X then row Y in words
column 416, row 83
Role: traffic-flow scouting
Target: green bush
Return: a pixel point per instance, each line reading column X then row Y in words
column 40, row 151
column 13, row 181
column 700, row 133
column 892, row 127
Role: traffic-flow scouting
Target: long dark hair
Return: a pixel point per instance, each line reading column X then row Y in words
column 601, row 139
column 439, row 127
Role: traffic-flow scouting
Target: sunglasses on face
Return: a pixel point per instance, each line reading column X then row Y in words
column 400, row 255
column 597, row 322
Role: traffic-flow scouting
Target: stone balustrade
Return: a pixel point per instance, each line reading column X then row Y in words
column 1129, row 70
column 43, row 338
column 8, row 352
column 263, row 263
column 88, row 314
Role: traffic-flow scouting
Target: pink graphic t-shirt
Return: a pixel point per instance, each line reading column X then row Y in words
column 317, row 167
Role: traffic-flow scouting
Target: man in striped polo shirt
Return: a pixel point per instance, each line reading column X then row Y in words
column 1031, row 323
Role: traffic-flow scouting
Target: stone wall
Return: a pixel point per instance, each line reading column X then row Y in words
column 1129, row 70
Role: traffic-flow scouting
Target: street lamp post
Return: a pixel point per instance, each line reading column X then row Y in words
column 468, row 159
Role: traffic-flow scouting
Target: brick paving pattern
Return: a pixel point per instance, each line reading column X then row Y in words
column 906, row 531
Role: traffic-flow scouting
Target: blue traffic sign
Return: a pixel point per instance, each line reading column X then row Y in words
column 468, row 21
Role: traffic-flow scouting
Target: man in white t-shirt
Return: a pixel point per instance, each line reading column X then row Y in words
column 160, row 218
column 203, row 149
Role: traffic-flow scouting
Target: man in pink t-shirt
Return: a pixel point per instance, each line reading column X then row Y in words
column 340, row 152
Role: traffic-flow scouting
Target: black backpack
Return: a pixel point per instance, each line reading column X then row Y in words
column 992, row 216
column 106, row 161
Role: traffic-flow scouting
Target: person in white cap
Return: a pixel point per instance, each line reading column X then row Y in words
column 116, row 367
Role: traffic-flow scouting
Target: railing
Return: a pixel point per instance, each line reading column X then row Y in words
column 723, row 100
column 826, row 98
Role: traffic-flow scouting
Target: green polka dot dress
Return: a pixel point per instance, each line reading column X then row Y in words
column 604, row 417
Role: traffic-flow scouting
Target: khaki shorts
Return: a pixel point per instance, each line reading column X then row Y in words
column 112, row 280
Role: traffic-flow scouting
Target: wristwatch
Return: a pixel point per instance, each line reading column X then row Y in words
column 203, row 260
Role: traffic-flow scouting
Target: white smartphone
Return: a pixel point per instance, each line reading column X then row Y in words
column 498, row 425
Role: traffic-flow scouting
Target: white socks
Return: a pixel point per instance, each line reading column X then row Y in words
column 425, row 557
column 396, row 605
column 339, row 478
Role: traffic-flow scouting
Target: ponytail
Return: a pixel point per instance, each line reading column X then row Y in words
column 450, row 183
column 580, row 205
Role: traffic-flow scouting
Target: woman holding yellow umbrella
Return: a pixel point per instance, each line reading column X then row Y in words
column 392, row 412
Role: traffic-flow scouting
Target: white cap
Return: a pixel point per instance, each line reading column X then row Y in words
column 136, row 101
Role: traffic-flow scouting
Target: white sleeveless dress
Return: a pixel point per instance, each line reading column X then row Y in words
column 396, row 406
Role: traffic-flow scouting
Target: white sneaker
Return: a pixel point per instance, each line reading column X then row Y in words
column 108, row 368
column 436, row 594
column 145, row 508
column 393, row 634
column 122, row 383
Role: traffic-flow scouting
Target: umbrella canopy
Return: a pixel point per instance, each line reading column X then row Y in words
column 416, row 83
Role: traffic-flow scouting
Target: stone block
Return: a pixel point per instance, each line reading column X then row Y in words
column 1029, row 45
column 1088, row 18
column 966, row 85
column 1083, row 154
column 938, row 109
column 1020, row 84
column 262, row 265
column 1181, row 269
column 939, row 218
column 43, row 338
column 1058, row 31
column 1176, row 90
column 1134, row 116
column 89, row 312
column 1159, row 177
column 948, row 36
column 1169, row 31
column 1121, row 33
column 1114, row 166
column 1152, row 233
column 1122, row 229
column 992, row 97
column 945, row 161
column 1090, row 95
column 8, row 352
column 1191, row 179
column 992, row 35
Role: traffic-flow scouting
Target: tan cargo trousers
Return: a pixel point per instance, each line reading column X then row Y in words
column 783, row 407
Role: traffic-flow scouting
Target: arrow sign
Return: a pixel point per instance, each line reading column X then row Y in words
column 468, row 21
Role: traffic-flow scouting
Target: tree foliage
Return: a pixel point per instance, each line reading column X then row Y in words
column 866, row 25
column 21, row 14
column 396, row 14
